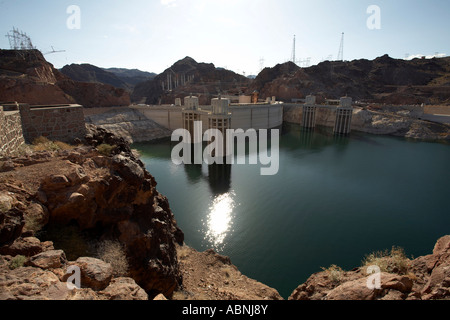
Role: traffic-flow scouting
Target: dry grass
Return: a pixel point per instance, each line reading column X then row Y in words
column 334, row 273
column 113, row 253
column 44, row 144
column 394, row 261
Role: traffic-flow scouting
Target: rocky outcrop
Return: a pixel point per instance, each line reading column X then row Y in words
column 26, row 77
column 102, row 196
column 425, row 278
column 211, row 276
column 129, row 124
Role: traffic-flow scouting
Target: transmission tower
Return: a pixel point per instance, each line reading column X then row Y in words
column 340, row 56
column 293, row 51
column 261, row 64
column 19, row 40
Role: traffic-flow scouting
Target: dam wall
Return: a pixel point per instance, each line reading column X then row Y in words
column 242, row 117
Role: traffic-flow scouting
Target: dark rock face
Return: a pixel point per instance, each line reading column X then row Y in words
column 383, row 80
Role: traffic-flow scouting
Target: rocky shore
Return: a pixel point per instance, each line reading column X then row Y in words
column 57, row 208
column 423, row 278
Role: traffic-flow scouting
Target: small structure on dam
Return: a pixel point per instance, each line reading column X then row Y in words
column 220, row 117
column 344, row 114
column 309, row 113
column 190, row 113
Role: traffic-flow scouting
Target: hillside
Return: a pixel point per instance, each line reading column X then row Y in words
column 93, row 74
column 117, row 77
column 187, row 76
column 382, row 80
column 131, row 76
column 26, row 77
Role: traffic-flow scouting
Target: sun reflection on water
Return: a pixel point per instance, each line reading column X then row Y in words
column 220, row 219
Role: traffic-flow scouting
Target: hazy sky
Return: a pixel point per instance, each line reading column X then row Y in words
column 153, row 34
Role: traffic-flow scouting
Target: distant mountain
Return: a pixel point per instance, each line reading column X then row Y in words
column 187, row 76
column 382, row 80
column 117, row 77
column 131, row 76
column 89, row 73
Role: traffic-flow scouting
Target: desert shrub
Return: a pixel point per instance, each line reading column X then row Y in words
column 63, row 145
column 44, row 144
column 105, row 149
column 394, row 261
column 17, row 262
column 113, row 253
column 334, row 273
column 40, row 140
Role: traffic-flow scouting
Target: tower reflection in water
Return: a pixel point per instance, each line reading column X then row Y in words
column 218, row 221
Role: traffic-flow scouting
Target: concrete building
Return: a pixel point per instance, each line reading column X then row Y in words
column 190, row 113
column 344, row 114
column 220, row 118
column 309, row 112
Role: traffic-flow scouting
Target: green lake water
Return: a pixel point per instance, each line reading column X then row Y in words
column 334, row 200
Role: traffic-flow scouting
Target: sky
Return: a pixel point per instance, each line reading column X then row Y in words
column 240, row 35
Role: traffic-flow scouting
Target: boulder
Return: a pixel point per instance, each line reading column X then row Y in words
column 30, row 283
column 124, row 289
column 95, row 274
column 51, row 259
column 28, row 247
column 11, row 225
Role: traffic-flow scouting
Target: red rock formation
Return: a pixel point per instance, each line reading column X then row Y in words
column 26, row 77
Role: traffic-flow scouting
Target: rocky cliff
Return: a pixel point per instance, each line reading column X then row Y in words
column 187, row 76
column 129, row 124
column 382, row 80
column 93, row 197
column 423, row 278
column 26, row 77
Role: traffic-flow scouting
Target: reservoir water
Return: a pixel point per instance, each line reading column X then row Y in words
column 334, row 200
